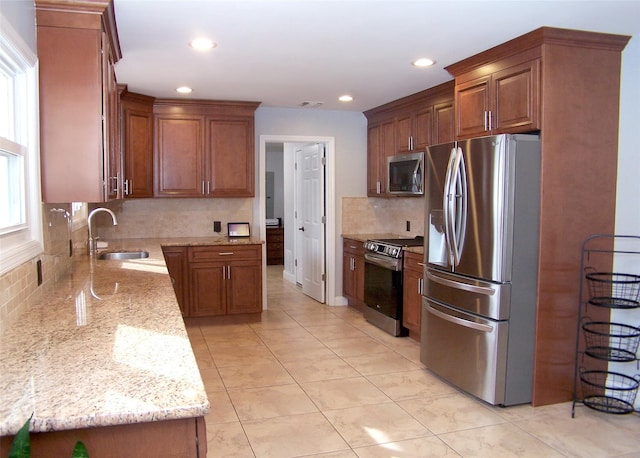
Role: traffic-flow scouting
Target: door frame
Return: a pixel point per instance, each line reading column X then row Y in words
column 330, row 207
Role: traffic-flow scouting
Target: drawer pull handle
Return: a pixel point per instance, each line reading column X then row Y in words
column 226, row 253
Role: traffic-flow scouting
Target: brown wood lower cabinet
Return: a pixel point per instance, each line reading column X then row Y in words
column 275, row 245
column 412, row 293
column 184, row 437
column 216, row 279
column 353, row 273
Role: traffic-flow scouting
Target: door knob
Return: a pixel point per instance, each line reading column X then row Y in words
column 301, row 228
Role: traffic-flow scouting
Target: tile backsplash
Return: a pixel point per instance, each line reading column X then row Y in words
column 362, row 215
column 161, row 218
column 19, row 287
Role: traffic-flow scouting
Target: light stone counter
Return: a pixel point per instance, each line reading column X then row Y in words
column 106, row 345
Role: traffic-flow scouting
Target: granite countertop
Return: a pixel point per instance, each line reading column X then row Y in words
column 105, row 345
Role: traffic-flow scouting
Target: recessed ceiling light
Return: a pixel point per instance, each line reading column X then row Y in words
column 202, row 44
column 184, row 90
column 423, row 62
column 345, row 98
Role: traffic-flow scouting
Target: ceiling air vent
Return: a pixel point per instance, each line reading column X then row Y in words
column 310, row 104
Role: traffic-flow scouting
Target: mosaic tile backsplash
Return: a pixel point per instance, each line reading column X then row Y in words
column 362, row 215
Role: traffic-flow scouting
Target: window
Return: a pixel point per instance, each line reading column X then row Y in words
column 20, row 212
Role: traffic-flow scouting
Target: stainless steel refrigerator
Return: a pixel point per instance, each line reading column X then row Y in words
column 481, row 261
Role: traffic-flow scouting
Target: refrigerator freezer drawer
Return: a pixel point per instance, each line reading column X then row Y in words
column 491, row 300
column 468, row 351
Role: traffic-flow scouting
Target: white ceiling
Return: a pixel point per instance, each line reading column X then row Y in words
column 285, row 52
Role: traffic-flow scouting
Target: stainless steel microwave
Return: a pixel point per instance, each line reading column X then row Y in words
column 405, row 174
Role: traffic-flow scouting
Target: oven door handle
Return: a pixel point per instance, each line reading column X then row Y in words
column 383, row 261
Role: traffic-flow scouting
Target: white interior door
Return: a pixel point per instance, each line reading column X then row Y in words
column 311, row 219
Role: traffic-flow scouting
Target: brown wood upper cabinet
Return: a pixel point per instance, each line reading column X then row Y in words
column 406, row 125
column 499, row 98
column 137, row 144
column 204, row 148
column 79, row 129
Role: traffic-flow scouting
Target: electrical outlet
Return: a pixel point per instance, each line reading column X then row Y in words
column 217, row 227
column 408, row 226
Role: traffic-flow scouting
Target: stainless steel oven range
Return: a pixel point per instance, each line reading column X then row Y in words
column 383, row 282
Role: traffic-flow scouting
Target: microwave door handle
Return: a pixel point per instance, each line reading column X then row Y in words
column 417, row 176
column 447, row 208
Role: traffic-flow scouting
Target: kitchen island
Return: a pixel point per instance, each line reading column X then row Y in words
column 104, row 357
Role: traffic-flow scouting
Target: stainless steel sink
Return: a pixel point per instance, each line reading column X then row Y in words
column 124, row 254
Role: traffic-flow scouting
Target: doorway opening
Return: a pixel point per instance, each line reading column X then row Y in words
column 309, row 246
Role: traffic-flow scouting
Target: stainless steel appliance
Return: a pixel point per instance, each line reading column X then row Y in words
column 383, row 282
column 405, row 174
column 481, row 260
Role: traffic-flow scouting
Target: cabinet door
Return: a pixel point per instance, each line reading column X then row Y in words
column 404, row 132
column 472, row 106
column 348, row 277
column 138, row 151
column 443, row 123
column 516, row 98
column 358, row 279
column 244, row 287
column 412, row 293
column 374, row 143
column 111, row 125
column 176, row 261
column 422, row 134
column 71, row 110
column 230, row 158
column 207, row 289
column 179, row 157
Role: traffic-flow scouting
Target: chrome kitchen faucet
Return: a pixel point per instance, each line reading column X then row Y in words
column 92, row 241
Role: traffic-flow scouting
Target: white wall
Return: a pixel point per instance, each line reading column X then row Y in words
column 628, row 192
column 349, row 129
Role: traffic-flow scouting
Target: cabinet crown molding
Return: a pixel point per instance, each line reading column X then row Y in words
column 537, row 38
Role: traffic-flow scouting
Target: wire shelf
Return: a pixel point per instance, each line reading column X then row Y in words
column 611, row 341
column 614, row 290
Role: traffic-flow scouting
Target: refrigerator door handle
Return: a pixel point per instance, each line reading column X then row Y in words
column 454, row 284
column 447, row 209
column 459, row 200
column 459, row 321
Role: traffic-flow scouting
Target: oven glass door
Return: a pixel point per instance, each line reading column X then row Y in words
column 383, row 290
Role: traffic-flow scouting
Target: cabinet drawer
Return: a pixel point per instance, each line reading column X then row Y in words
column 353, row 246
column 224, row 252
column 413, row 261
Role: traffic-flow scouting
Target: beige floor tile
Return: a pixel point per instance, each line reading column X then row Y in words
column 222, row 410
column 383, row 362
column 411, row 384
column 300, row 350
column 426, row 447
column 293, row 436
column 315, row 369
column 242, row 355
column 344, row 393
column 255, row 375
column 375, row 424
column 270, row 409
column 339, row 328
column 354, row 346
column 273, row 401
column 450, row 413
column 226, row 440
column 588, row 434
column 211, row 379
column 497, row 441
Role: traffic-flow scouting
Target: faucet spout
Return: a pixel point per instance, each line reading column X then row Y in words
column 92, row 241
